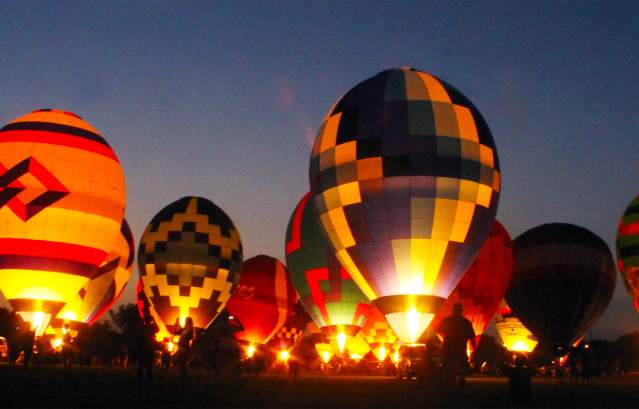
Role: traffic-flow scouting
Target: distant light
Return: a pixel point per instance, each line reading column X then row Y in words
column 57, row 343
column 586, row 346
column 250, row 351
column 171, row 346
column 284, row 355
column 356, row 356
column 231, row 317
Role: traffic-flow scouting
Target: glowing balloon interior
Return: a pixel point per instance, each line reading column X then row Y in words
column 99, row 294
column 327, row 291
column 514, row 335
column 263, row 301
column 485, row 283
column 190, row 261
column 405, row 179
column 62, row 204
column 379, row 334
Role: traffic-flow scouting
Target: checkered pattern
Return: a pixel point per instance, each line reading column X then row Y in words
column 327, row 291
column 405, row 177
column 190, row 259
column 292, row 331
column 563, row 280
column 628, row 249
column 377, row 332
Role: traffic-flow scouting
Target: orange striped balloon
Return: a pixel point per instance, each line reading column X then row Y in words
column 62, row 198
column 95, row 298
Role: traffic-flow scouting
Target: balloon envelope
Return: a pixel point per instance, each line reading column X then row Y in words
column 148, row 313
column 405, row 178
column 627, row 246
column 484, row 285
column 263, row 300
column 99, row 294
column 563, row 280
column 190, row 260
column 328, row 293
column 62, row 203
column 514, row 335
column 378, row 334
column 292, row 331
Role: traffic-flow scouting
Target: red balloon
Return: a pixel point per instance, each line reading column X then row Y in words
column 292, row 331
column 263, row 301
column 485, row 282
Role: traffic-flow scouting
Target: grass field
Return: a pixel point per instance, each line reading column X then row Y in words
column 103, row 388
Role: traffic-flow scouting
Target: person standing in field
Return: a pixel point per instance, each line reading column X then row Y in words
column 457, row 331
column 187, row 334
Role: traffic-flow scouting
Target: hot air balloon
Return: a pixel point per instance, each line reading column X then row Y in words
column 148, row 313
column 190, row 260
column 514, row 335
column 61, row 204
column 563, row 280
column 485, row 283
column 292, row 331
column 329, row 295
column 378, row 334
column 356, row 347
column 405, row 179
column 627, row 246
column 263, row 300
column 99, row 294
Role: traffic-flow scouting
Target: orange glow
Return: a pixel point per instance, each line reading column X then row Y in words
column 170, row 346
column 325, row 351
column 409, row 325
column 284, row 356
column 341, row 342
column 250, row 351
column 381, row 353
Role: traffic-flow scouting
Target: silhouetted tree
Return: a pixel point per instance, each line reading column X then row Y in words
column 100, row 341
column 625, row 350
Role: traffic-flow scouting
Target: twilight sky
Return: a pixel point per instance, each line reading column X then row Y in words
column 223, row 99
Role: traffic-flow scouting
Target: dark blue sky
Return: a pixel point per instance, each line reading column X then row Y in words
column 223, row 99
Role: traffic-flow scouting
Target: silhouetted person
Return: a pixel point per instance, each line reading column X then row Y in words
column 165, row 358
column 586, row 365
column 21, row 339
column 67, row 347
column 457, row 331
column 145, row 345
column 184, row 352
column 13, row 337
column 430, row 375
column 519, row 379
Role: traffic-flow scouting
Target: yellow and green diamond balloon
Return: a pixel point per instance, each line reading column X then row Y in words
column 405, row 179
